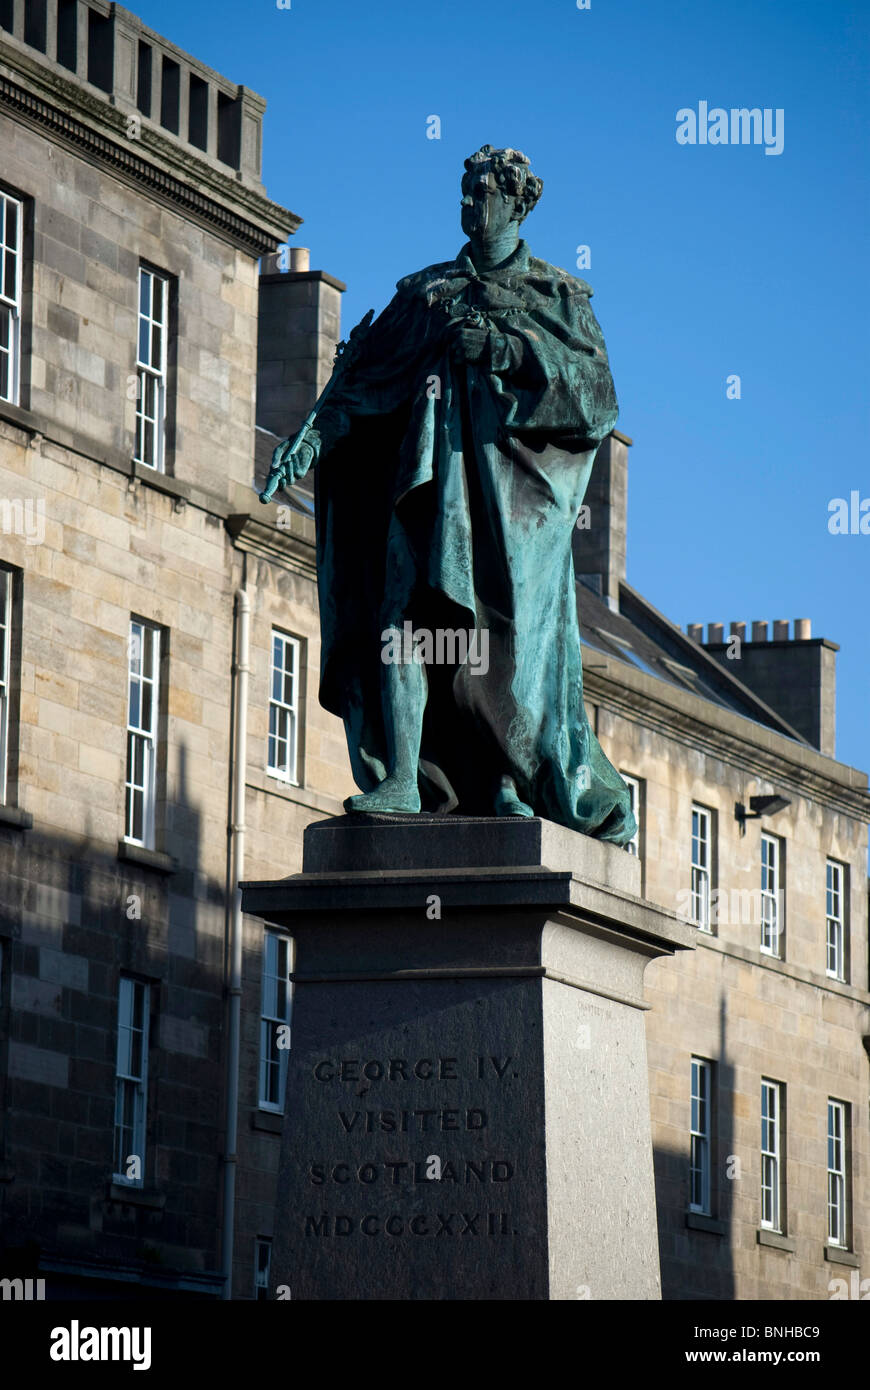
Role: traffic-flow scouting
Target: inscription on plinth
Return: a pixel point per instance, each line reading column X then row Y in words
column 410, row 1169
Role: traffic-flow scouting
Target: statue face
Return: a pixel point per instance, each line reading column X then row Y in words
column 486, row 210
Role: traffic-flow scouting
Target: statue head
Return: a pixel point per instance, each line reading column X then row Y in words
column 498, row 187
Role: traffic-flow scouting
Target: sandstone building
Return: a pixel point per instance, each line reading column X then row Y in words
column 751, row 829
column 160, row 736
column 134, row 223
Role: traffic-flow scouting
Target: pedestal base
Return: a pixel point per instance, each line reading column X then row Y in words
column 467, row 1107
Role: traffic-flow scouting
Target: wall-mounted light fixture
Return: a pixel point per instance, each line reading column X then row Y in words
column 759, row 806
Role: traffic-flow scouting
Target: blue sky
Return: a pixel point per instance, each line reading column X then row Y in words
column 705, row 260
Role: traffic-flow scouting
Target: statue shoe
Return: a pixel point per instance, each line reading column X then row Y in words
column 507, row 803
column 391, row 797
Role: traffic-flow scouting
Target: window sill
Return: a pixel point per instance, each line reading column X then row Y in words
column 15, row 818
column 161, row 482
column 267, row 1121
column 697, row 1221
column 137, row 1196
column 276, row 778
column 147, row 858
column 775, row 1240
column 257, row 779
column 837, row 1255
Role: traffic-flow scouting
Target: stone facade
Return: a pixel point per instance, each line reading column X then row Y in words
column 78, row 908
column 754, row 1015
column 167, row 174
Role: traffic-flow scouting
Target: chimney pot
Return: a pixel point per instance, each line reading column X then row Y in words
column 716, row 632
column 780, row 629
column 695, row 632
column 300, row 258
column 739, row 630
column 802, row 629
column 759, row 630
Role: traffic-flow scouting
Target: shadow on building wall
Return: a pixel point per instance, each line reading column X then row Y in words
column 74, row 917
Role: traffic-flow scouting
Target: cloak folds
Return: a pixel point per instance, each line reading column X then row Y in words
column 447, row 496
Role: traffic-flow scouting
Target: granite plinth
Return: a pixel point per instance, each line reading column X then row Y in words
column 467, row 1113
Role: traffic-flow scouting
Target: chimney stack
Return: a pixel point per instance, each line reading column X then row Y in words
column 599, row 552
column 795, row 676
column 299, row 326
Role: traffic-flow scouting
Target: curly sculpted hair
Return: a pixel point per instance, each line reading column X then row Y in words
column 512, row 175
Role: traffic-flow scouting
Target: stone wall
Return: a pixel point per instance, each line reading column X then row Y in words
column 90, row 234
column 112, row 541
column 752, row 1015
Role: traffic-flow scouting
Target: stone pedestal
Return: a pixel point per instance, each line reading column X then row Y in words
column 467, row 1108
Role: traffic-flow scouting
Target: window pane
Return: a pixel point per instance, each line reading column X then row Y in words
column 146, row 719
column 270, row 996
column 270, row 946
column 149, row 396
column 150, row 639
column 135, row 704
column 135, row 648
column 283, row 970
column 138, row 1005
column 136, row 821
column 156, row 358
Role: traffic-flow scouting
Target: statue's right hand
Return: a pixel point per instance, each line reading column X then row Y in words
column 294, row 465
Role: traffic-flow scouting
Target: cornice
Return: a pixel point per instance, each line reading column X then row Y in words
column 699, row 724
column 228, row 206
column 290, row 547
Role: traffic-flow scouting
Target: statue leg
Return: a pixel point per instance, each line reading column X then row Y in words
column 404, row 689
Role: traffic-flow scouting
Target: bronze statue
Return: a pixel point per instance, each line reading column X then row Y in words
column 453, row 455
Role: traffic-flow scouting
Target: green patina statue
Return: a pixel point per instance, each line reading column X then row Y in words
column 453, row 454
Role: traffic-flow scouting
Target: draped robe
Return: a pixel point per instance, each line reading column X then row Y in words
column 447, row 495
